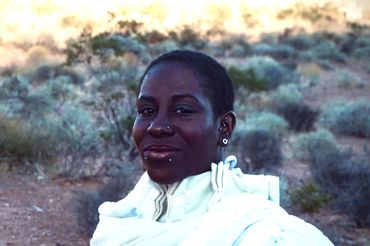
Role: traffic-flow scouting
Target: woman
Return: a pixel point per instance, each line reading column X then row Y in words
column 191, row 194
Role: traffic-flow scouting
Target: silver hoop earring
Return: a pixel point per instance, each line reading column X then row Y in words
column 225, row 141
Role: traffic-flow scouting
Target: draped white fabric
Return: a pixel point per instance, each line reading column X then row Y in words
column 218, row 208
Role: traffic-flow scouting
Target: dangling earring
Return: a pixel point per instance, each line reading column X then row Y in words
column 225, row 141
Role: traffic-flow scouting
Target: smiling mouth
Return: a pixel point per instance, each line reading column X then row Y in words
column 159, row 152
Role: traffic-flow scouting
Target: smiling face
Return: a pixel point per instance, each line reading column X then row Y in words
column 175, row 130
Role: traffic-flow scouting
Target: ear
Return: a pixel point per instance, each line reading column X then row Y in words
column 226, row 127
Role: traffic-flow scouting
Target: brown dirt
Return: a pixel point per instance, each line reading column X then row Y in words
column 39, row 213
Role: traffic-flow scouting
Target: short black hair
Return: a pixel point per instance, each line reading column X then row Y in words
column 215, row 81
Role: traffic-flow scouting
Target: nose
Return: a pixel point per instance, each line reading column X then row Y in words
column 160, row 127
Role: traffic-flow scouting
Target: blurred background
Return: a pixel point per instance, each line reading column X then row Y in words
column 68, row 81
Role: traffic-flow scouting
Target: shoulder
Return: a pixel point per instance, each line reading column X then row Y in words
column 282, row 230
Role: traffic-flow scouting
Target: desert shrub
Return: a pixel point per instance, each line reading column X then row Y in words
column 328, row 50
column 347, row 178
column 165, row 46
column 263, row 121
column 305, row 145
column 345, row 43
column 59, row 88
column 277, row 51
column 270, row 71
column 361, row 53
column 246, row 78
column 261, row 150
column 286, row 93
column 79, row 125
column 115, row 100
column 86, row 203
column 118, row 43
column 44, row 73
column 240, row 50
column 17, row 140
column 347, row 79
column 352, row 118
column 85, row 47
column 300, row 116
column 362, row 42
column 151, row 37
column 230, row 41
column 187, row 36
column 300, row 42
column 309, row 198
column 57, row 126
column 14, row 87
column 312, row 13
column 254, row 101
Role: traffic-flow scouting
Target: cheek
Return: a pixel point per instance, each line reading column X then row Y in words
column 199, row 134
column 138, row 132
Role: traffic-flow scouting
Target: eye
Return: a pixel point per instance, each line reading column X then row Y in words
column 183, row 110
column 146, row 111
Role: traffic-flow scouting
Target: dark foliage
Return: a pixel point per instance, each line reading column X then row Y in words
column 87, row 203
column 347, row 178
column 246, row 78
column 300, row 116
column 309, row 198
column 263, row 150
column 46, row 72
column 188, row 37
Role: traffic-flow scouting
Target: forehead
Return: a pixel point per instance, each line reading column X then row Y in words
column 171, row 77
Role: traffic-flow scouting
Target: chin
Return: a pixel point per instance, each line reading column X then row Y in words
column 163, row 179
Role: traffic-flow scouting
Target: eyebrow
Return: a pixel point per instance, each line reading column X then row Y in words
column 184, row 96
column 174, row 97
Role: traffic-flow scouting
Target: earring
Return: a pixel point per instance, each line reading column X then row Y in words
column 168, row 127
column 220, row 129
column 225, row 141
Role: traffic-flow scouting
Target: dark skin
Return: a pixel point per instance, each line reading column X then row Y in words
column 175, row 130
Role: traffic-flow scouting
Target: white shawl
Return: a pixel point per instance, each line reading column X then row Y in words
column 220, row 207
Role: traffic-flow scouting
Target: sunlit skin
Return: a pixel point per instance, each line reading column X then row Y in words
column 175, row 130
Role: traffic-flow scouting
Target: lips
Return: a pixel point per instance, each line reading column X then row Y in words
column 159, row 152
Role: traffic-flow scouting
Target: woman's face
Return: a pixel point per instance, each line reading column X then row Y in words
column 174, row 131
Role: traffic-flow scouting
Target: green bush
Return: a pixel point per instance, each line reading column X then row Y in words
column 347, row 178
column 276, row 51
column 361, row 53
column 306, row 145
column 351, row 118
column 262, row 149
column 270, row 71
column 327, row 50
column 17, row 140
column 308, row 198
column 246, row 78
column 300, row 42
column 286, row 93
column 263, row 121
column 15, row 87
column 117, row 42
column 362, row 42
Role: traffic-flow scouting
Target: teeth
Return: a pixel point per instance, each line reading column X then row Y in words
column 158, row 155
